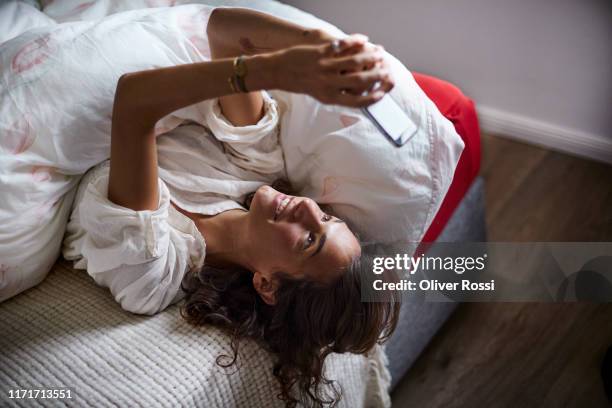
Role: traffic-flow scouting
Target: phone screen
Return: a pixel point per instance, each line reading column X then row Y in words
column 391, row 120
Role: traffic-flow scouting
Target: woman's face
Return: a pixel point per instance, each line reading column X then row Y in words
column 293, row 235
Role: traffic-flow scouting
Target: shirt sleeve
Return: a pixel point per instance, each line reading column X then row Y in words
column 138, row 255
column 253, row 147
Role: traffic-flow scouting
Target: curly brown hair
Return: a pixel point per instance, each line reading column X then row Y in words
column 309, row 321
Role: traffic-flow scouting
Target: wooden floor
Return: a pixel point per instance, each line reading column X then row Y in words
column 525, row 354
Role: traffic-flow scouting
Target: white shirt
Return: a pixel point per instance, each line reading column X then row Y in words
column 142, row 256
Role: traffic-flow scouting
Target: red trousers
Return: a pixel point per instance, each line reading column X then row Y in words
column 460, row 110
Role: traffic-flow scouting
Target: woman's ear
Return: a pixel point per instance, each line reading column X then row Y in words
column 266, row 287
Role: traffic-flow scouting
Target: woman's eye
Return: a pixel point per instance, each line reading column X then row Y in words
column 309, row 240
column 326, row 217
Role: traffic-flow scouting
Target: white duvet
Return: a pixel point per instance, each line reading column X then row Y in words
column 57, row 83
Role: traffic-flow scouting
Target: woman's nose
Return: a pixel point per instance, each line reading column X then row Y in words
column 309, row 214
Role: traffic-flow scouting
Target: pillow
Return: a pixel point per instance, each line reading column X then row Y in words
column 337, row 156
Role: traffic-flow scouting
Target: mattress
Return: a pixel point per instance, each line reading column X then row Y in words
column 68, row 332
column 419, row 320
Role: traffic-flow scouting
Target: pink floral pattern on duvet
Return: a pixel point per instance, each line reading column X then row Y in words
column 77, row 10
column 17, row 137
column 33, row 53
column 42, row 173
column 194, row 26
column 330, row 184
column 347, row 120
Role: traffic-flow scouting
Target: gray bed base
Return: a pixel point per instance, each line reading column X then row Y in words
column 419, row 320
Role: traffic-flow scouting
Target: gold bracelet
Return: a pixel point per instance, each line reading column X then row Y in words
column 240, row 72
column 230, row 79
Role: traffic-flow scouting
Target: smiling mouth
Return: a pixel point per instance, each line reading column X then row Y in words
column 282, row 205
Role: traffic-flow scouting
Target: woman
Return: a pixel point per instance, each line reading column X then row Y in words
column 283, row 272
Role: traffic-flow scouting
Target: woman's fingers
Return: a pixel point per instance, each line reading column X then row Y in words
column 380, row 49
column 346, row 45
column 351, row 63
column 363, row 72
column 359, row 82
column 388, row 84
column 349, row 72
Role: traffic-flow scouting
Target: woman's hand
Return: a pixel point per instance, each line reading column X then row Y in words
column 341, row 72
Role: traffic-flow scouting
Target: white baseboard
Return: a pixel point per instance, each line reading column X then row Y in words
column 545, row 134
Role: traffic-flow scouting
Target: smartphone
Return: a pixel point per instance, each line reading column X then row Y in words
column 391, row 120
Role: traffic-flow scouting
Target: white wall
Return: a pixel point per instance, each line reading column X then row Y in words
column 540, row 70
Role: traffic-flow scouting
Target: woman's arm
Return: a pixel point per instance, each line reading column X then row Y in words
column 142, row 98
column 235, row 31
column 244, row 31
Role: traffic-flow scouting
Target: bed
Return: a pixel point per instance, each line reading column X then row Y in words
column 67, row 332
